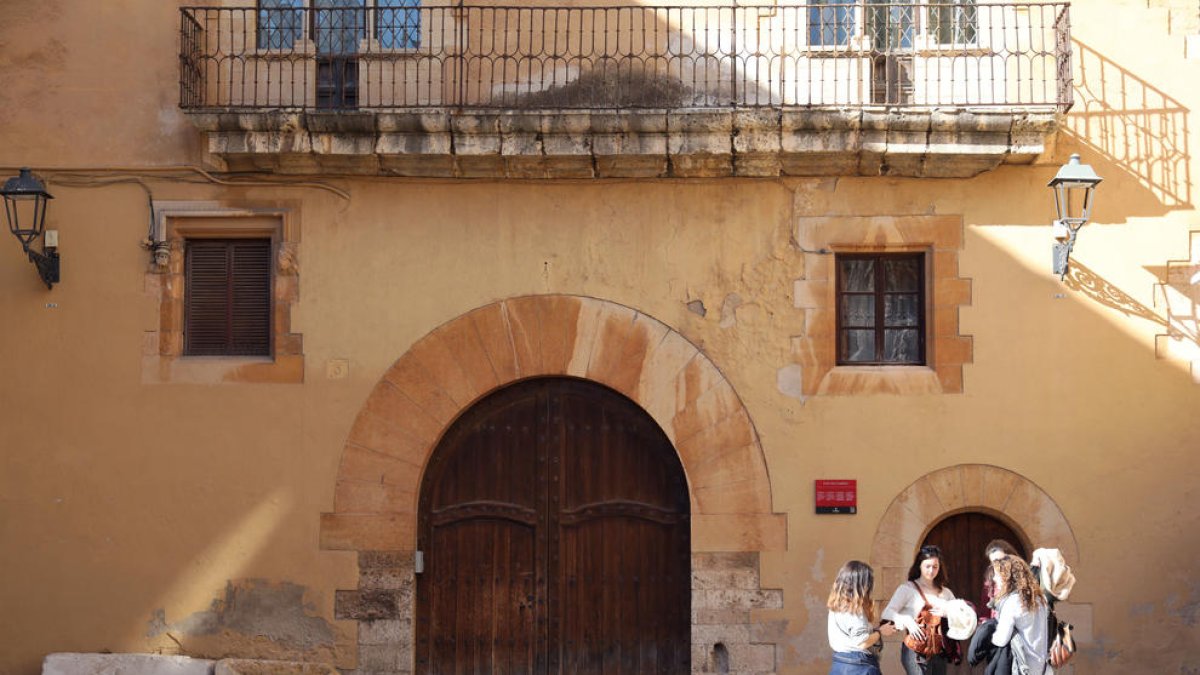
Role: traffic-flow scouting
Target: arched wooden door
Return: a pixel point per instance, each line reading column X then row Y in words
column 962, row 538
column 555, row 535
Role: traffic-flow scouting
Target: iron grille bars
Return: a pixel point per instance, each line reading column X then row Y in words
column 414, row 54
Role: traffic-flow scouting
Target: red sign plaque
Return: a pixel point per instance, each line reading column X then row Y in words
column 837, row 496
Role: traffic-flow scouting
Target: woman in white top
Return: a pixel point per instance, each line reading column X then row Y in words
column 926, row 577
column 853, row 637
column 1021, row 615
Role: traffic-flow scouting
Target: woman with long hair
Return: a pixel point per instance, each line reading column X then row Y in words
column 1021, row 615
column 926, row 586
column 998, row 548
column 995, row 550
column 853, row 637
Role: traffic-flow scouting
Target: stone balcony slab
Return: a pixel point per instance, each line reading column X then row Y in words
column 935, row 143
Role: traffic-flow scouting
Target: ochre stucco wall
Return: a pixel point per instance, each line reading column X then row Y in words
column 185, row 518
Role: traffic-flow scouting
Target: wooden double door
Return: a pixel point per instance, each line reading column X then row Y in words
column 554, row 530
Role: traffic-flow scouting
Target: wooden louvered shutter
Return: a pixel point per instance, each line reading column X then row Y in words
column 228, row 297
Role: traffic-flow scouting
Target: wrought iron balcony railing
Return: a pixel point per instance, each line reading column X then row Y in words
column 422, row 54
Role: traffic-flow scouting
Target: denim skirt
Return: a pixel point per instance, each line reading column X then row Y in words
column 854, row 663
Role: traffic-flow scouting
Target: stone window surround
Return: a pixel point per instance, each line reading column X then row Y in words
column 162, row 353
column 471, row 355
column 941, row 239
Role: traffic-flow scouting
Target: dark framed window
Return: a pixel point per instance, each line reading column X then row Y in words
column 954, row 22
column 881, row 309
column 337, row 26
column 280, row 23
column 227, row 297
column 891, row 24
column 830, row 22
column 398, row 23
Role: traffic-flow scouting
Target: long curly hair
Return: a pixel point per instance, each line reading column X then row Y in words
column 1016, row 577
column 851, row 591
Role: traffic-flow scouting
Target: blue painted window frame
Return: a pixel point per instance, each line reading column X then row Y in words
column 831, row 23
column 398, row 24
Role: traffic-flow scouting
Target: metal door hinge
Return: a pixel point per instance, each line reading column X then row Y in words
column 418, row 562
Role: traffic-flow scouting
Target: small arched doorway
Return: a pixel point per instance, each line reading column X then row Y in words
column 962, row 538
column 554, row 521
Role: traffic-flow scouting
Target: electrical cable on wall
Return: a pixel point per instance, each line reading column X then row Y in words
column 96, row 177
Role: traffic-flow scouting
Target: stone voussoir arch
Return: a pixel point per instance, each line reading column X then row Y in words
column 966, row 487
column 445, row 372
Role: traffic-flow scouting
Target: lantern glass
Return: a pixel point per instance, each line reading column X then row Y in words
column 1074, row 191
column 25, row 200
column 1074, row 202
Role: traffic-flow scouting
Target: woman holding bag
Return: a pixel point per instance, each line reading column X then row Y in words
column 853, row 637
column 918, row 607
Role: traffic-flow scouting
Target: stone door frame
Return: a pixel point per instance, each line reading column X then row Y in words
column 452, row 367
column 1006, row 495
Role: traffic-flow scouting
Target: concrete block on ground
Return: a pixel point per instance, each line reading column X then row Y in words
column 263, row 667
column 125, row 664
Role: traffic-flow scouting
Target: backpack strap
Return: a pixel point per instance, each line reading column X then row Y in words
column 923, row 598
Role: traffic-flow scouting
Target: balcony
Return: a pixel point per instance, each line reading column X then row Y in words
column 765, row 88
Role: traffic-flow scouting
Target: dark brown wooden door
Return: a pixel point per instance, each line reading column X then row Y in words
column 962, row 538
column 554, row 527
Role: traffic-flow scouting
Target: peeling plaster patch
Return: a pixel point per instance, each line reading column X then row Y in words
column 1101, row 649
column 818, row 568
column 170, row 120
column 1186, row 609
column 1141, row 609
column 255, row 607
column 812, row 643
column 729, row 310
column 697, row 307
column 157, row 625
column 790, row 381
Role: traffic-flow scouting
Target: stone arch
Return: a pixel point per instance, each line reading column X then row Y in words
column 448, row 370
column 445, row 372
column 993, row 490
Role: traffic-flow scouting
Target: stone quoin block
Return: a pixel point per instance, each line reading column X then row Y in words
column 366, row 605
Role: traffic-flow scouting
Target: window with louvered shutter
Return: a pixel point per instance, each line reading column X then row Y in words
column 227, row 309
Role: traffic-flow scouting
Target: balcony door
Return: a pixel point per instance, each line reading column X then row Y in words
column 891, row 27
column 338, row 26
column 555, row 535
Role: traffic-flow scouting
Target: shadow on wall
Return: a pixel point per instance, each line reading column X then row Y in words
column 1176, row 300
column 1138, row 128
column 1082, row 279
column 1178, row 296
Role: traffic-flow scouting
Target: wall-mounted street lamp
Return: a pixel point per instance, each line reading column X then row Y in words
column 1074, row 193
column 25, row 200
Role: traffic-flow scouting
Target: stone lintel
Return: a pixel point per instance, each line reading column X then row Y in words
column 937, row 143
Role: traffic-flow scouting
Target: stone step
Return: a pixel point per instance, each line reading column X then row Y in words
column 158, row 664
column 125, row 664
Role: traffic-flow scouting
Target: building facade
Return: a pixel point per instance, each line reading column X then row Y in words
column 419, row 337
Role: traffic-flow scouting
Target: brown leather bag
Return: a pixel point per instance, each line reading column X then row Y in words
column 1062, row 645
column 934, row 641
